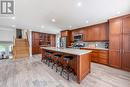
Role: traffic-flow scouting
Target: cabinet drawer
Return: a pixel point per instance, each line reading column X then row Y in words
column 103, row 55
column 103, row 60
column 94, row 59
column 94, row 55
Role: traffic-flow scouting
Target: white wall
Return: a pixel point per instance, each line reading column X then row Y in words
column 30, row 41
column 6, row 34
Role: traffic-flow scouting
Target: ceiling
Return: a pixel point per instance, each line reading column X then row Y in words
column 68, row 14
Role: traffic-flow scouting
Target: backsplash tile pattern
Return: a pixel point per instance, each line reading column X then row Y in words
column 96, row 44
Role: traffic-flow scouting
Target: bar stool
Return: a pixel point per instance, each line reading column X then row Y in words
column 49, row 57
column 66, row 66
column 44, row 57
column 56, row 61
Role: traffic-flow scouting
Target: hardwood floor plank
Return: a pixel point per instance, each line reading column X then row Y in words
column 32, row 72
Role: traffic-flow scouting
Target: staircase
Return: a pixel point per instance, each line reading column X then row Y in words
column 21, row 48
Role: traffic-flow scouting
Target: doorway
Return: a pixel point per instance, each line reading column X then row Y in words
column 19, row 33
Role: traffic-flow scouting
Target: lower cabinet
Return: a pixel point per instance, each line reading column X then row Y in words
column 36, row 50
column 99, row 56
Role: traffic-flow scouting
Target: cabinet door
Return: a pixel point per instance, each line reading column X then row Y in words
column 126, row 25
column 89, row 35
column 53, row 41
column 94, row 57
column 103, row 57
column 96, row 33
column 126, row 44
column 115, row 36
column 126, row 53
column 33, row 50
column 64, row 33
column 104, row 32
column 37, row 35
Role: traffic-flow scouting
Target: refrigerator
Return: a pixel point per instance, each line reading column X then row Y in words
column 63, row 42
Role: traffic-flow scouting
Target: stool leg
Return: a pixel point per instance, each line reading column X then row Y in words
column 56, row 68
column 61, row 71
column 53, row 65
column 68, row 75
column 45, row 61
column 48, row 63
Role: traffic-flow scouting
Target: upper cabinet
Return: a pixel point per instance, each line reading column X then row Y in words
column 78, row 31
column 65, row 33
column 97, row 32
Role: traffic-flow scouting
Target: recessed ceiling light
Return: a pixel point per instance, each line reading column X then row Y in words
column 13, row 26
column 42, row 26
column 79, row 4
column 87, row 21
column 53, row 20
column 13, row 18
column 118, row 12
column 70, row 27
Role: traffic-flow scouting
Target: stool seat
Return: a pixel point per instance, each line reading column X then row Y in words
column 68, row 57
column 49, row 57
column 56, row 61
column 49, row 52
column 57, row 55
column 67, row 67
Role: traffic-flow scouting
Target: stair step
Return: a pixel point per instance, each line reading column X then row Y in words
column 22, row 42
column 20, row 45
column 21, row 48
column 22, row 55
column 22, row 51
column 20, row 39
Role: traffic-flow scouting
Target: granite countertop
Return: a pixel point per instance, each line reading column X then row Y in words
column 96, row 48
column 68, row 50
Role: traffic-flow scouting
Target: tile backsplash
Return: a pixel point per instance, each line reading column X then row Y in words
column 96, row 44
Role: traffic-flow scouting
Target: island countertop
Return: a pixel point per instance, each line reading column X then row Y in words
column 80, row 63
column 68, row 50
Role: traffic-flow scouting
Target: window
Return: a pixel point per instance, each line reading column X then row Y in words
column 2, row 48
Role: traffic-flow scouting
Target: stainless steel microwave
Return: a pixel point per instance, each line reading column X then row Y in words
column 78, row 37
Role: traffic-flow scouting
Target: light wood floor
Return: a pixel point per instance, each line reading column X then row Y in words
column 33, row 73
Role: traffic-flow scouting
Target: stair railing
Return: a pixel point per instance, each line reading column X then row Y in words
column 27, row 38
column 13, row 47
column 13, row 40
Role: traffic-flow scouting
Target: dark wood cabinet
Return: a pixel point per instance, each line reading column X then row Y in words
column 53, row 40
column 119, row 54
column 67, row 34
column 115, row 41
column 99, row 56
column 98, row 32
column 126, row 43
column 43, row 39
column 126, row 52
column 79, row 31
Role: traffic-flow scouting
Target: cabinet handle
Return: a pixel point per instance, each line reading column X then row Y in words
column 123, row 51
column 120, row 51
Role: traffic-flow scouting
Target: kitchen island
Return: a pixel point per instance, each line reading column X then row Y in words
column 81, row 61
